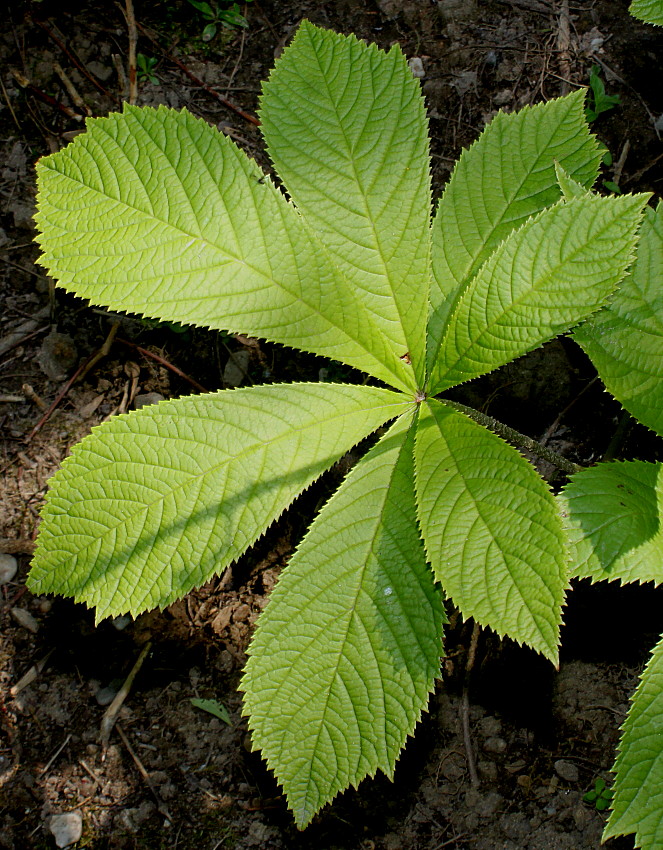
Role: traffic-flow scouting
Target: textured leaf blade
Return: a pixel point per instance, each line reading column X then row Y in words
column 349, row 645
column 614, row 517
column 637, row 805
column 491, row 528
column 625, row 341
column 346, row 129
column 153, row 504
column 649, row 11
column 546, row 277
column 155, row 212
column 507, row 176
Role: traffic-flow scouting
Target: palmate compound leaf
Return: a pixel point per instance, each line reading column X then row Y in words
column 346, row 129
column 157, row 213
column 491, row 528
column 649, row 11
column 507, row 176
column 547, row 276
column 613, row 513
column 348, row 648
column 637, row 805
column 625, row 340
column 153, row 504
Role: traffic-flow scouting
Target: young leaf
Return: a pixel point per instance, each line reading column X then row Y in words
column 507, row 176
column 544, row 278
column 157, row 213
column 349, row 645
column 638, row 790
column 649, row 11
column 213, row 707
column 346, row 129
column 614, row 516
column 153, row 504
column 491, row 528
column 570, row 187
column 625, row 341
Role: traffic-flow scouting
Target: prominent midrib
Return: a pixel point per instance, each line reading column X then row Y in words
column 474, row 264
column 198, row 476
column 520, row 300
column 364, row 200
column 352, row 616
column 48, row 253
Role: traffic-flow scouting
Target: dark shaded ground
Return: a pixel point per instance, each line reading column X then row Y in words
column 540, row 737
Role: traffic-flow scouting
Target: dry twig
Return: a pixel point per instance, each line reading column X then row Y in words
column 224, row 100
column 110, row 716
column 162, row 360
column 133, row 39
column 465, row 707
column 161, row 806
column 73, row 59
column 80, row 373
column 72, row 91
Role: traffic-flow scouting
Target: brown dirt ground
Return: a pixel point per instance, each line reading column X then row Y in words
column 177, row 777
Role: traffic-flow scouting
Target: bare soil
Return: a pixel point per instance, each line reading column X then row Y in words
column 174, row 776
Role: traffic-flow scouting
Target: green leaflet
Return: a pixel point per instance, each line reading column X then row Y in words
column 347, row 132
column 649, row 11
column 625, row 341
column 155, row 212
column 544, row 278
column 613, row 515
column 570, row 188
column 506, row 176
column 153, row 504
column 491, row 529
column 349, row 645
column 638, row 802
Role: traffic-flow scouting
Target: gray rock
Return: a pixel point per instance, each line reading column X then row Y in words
column 57, row 356
column 8, row 568
column 144, row 399
column 105, row 696
column 566, row 770
column 102, row 72
column 25, row 619
column 416, row 67
column 495, row 745
column 236, row 368
column 66, row 828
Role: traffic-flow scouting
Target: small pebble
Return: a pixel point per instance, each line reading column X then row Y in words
column 24, row 618
column 495, row 745
column 417, row 67
column 145, row 399
column 57, row 356
column 120, row 623
column 566, row 770
column 8, row 568
column 67, row 828
column 105, row 696
column 236, row 369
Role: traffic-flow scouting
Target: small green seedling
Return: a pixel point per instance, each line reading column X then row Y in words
column 212, row 706
column 229, row 17
column 599, row 101
column 157, row 213
column 145, row 66
column 600, row 796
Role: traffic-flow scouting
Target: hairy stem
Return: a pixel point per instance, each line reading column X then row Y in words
column 515, row 437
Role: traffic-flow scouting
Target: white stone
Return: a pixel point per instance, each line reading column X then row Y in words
column 417, row 67
column 67, row 828
column 8, row 568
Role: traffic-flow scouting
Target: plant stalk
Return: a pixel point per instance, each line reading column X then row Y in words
column 513, row 436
